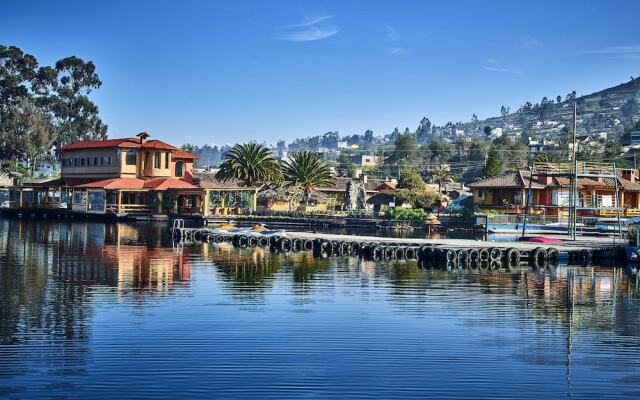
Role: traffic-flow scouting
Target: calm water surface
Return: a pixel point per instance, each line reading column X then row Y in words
column 92, row 310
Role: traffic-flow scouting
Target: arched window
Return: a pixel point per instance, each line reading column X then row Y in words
column 156, row 160
column 179, row 169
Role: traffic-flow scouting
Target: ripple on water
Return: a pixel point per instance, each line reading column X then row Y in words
column 93, row 310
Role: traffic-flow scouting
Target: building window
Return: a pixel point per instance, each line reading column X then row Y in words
column 95, row 161
column 76, row 162
column 89, row 162
column 130, row 158
column 179, row 169
column 167, row 156
column 156, row 160
column 82, row 162
column 147, row 160
column 108, row 160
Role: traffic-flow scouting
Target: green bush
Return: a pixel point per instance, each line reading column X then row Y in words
column 409, row 214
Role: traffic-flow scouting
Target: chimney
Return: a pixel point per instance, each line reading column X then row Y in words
column 630, row 174
column 363, row 178
column 143, row 137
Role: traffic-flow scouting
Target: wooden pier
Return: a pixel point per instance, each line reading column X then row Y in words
column 448, row 253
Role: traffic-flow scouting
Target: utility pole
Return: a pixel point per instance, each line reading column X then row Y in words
column 575, row 169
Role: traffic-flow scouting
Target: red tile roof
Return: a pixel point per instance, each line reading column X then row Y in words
column 177, row 153
column 133, row 183
column 157, row 144
column 93, row 144
column 113, row 183
column 129, row 143
column 168, row 183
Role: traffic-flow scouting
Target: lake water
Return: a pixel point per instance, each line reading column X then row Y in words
column 93, row 310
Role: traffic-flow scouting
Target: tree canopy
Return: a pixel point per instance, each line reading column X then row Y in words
column 306, row 170
column 43, row 108
column 250, row 163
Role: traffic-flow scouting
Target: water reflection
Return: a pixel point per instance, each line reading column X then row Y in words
column 67, row 287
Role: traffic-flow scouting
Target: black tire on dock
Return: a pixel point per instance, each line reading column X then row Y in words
column 388, row 252
column 512, row 257
column 345, row 248
column 585, row 257
column 451, row 255
column 475, row 265
column 325, row 249
column 220, row 238
column 474, row 255
column 354, row 248
column 494, row 265
column 553, row 256
column 411, row 253
column 253, row 241
column 296, row 244
column 285, row 245
column 463, row 258
column 377, row 253
column 243, row 241
column 307, row 245
column 336, row 248
column 263, row 241
column 399, row 253
column 211, row 238
column 539, row 257
column 484, row 254
column 495, row 254
column 197, row 235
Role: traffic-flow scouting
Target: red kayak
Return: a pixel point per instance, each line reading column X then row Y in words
column 545, row 240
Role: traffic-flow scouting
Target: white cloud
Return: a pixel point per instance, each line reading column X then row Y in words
column 311, row 29
column 311, row 21
column 311, row 34
column 530, row 42
column 392, row 36
column 626, row 51
column 494, row 68
column 396, row 51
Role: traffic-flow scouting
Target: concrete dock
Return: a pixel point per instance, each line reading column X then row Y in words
column 450, row 253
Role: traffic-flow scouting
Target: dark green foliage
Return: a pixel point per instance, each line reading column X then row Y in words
column 53, row 101
column 407, row 214
column 307, row 171
column 249, row 163
column 492, row 165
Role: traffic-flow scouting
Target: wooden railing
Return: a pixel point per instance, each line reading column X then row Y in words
column 583, row 168
column 128, row 208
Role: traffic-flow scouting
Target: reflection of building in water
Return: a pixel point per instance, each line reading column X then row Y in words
column 140, row 267
column 117, row 255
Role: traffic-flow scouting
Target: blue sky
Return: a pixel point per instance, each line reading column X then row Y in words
column 228, row 71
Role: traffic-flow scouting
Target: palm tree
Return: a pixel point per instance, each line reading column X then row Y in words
column 250, row 163
column 440, row 174
column 306, row 170
column 549, row 158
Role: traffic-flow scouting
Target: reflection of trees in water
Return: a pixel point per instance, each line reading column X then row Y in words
column 48, row 272
column 254, row 269
column 35, row 307
column 596, row 298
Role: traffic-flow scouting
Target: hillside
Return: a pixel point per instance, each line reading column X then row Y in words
column 611, row 111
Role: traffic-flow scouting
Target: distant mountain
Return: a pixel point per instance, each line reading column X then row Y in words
column 611, row 110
